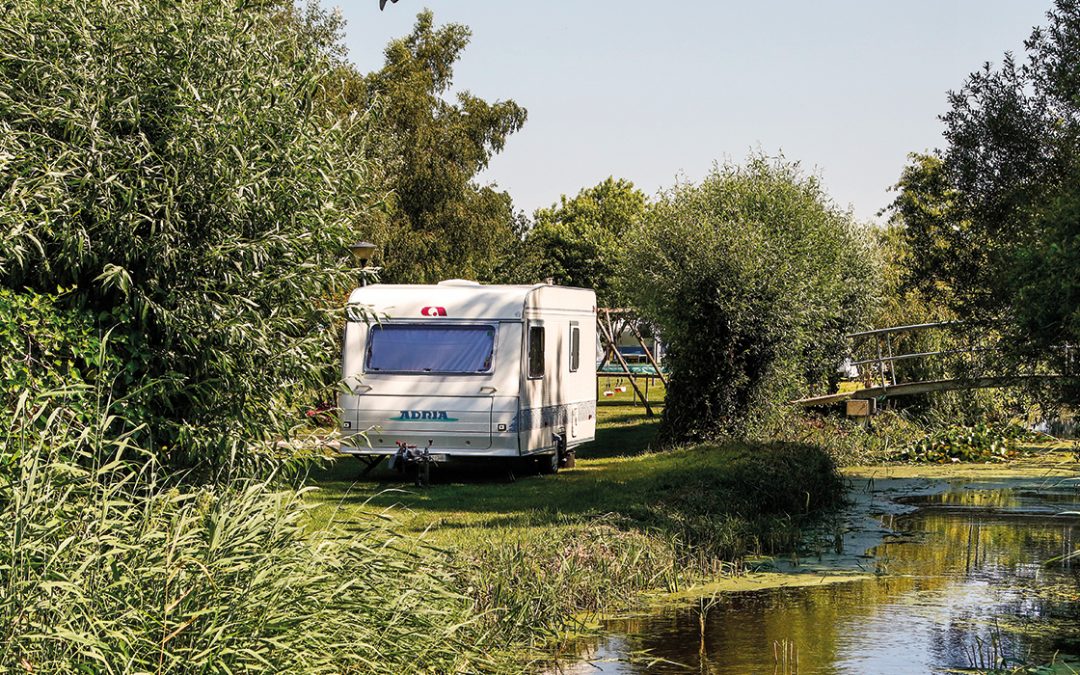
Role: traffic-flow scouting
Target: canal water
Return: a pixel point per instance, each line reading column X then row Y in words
column 958, row 576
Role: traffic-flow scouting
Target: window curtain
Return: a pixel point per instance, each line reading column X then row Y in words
column 430, row 349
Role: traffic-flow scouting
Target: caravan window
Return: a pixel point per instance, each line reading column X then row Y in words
column 428, row 348
column 575, row 346
column 536, row 351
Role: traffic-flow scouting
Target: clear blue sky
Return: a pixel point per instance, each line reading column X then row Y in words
column 649, row 90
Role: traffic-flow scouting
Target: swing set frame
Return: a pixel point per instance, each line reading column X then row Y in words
column 612, row 324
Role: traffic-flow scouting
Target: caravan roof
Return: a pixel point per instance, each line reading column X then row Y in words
column 454, row 299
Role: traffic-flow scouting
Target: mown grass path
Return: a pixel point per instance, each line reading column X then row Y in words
column 612, row 474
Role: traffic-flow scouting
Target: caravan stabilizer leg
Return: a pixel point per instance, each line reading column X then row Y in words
column 550, row 464
column 370, row 462
column 423, row 469
column 567, row 458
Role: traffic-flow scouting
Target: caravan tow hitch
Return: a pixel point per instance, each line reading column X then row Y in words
column 408, row 456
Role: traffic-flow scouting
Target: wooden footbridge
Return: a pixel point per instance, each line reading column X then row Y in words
column 927, row 358
column 884, row 363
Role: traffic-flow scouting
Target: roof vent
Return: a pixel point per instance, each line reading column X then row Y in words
column 459, row 282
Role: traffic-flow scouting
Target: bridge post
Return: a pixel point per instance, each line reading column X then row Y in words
column 892, row 362
column 880, row 360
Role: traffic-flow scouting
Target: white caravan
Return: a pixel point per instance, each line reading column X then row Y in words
column 461, row 369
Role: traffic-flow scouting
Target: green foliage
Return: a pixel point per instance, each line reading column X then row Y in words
column 993, row 219
column 581, row 241
column 927, row 236
column 979, row 443
column 1047, row 286
column 176, row 167
column 440, row 223
column 105, row 567
column 533, row 587
column 753, row 506
column 847, row 441
column 752, row 277
column 46, row 348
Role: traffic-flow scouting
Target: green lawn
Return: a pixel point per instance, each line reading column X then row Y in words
column 679, row 493
column 538, row 553
column 612, row 473
column 476, row 495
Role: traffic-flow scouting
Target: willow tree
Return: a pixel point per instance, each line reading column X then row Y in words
column 753, row 277
column 174, row 168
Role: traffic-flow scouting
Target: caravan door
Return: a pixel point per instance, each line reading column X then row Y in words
column 541, row 415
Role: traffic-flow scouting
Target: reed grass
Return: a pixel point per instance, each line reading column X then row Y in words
column 108, row 566
column 533, row 587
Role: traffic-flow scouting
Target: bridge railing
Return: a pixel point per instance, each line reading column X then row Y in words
column 920, row 352
column 946, row 350
column 935, row 357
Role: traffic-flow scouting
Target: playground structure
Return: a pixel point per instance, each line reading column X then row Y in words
column 612, row 326
column 930, row 357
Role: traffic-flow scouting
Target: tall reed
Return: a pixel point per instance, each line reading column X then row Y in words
column 108, row 566
column 531, row 588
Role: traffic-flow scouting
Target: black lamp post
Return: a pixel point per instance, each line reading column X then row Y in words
column 362, row 252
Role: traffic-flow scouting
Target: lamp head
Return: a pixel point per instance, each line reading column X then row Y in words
column 362, row 251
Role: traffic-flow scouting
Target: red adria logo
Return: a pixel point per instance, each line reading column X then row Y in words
column 433, row 311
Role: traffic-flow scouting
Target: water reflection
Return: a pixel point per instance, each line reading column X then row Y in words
column 965, row 584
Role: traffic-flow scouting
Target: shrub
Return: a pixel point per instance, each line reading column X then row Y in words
column 755, row 505
column 176, row 167
column 45, row 348
column 753, row 277
column 976, row 443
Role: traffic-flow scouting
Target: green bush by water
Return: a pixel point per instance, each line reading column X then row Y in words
column 755, row 505
column 976, row 443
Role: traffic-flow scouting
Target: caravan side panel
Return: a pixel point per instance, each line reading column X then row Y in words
column 559, row 398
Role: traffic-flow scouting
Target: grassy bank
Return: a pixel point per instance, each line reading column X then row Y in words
column 111, row 563
column 541, row 555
